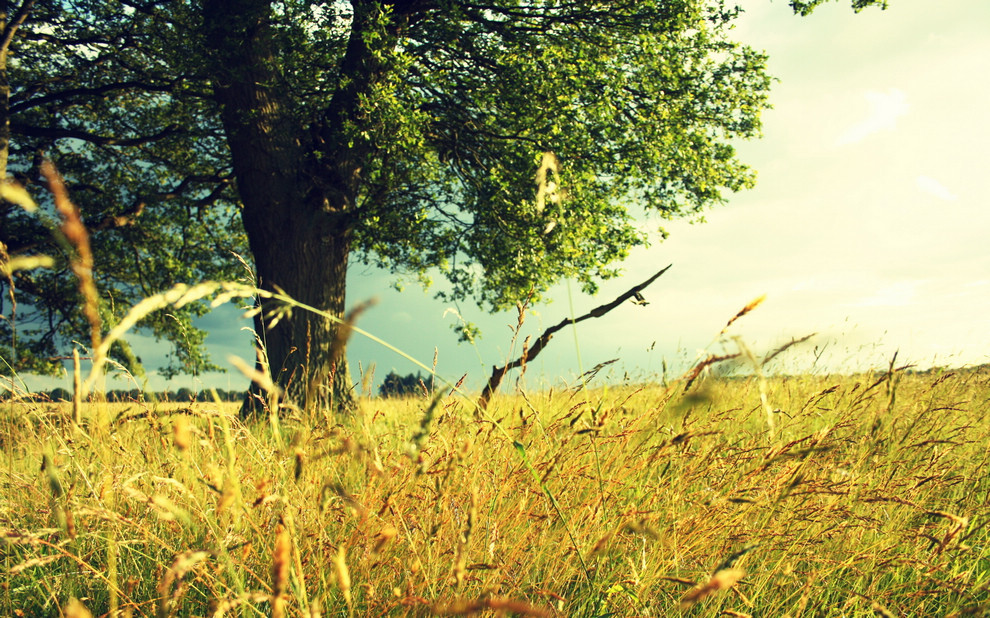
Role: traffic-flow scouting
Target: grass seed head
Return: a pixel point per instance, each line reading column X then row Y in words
column 181, row 433
column 721, row 580
column 753, row 304
column 300, row 457
column 343, row 574
column 75, row 609
column 281, row 559
column 82, row 263
column 385, row 535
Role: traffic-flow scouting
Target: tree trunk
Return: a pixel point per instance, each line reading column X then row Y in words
column 306, row 357
column 8, row 26
column 299, row 230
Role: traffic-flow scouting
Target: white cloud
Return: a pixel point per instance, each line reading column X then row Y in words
column 934, row 187
column 896, row 294
column 885, row 108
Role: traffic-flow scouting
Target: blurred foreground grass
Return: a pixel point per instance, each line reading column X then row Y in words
column 840, row 496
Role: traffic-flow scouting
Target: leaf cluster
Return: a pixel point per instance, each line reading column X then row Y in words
column 395, row 385
column 639, row 102
column 108, row 92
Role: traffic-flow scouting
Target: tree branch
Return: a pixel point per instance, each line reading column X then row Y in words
column 86, row 136
column 11, row 27
column 88, row 93
column 124, row 219
column 530, row 353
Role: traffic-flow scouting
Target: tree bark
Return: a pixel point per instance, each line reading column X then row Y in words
column 8, row 26
column 306, row 356
column 299, row 230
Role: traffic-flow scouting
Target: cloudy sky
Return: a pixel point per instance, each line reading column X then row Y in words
column 869, row 225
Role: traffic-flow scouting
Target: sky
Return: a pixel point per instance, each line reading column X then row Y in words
column 868, row 227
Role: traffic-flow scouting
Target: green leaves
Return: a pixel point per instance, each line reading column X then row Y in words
column 637, row 102
column 808, row 6
column 112, row 96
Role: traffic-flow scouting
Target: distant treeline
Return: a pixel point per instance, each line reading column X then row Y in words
column 394, row 385
column 183, row 395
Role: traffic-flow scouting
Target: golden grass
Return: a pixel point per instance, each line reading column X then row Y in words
column 734, row 497
column 623, row 501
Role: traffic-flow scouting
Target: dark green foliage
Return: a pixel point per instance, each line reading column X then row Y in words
column 184, row 395
column 60, row 394
column 110, row 95
column 399, row 386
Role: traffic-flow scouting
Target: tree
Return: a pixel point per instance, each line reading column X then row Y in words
column 395, row 385
column 60, row 394
column 401, row 133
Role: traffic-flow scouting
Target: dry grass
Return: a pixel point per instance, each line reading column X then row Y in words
column 807, row 496
column 616, row 502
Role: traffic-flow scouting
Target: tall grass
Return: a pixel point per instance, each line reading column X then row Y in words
column 708, row 496
column 628, row 502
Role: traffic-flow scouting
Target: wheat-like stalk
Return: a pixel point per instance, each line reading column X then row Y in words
column 82, row 264
column 753, row 304
column 281, row 561
column 343, row 576
column 721, row 580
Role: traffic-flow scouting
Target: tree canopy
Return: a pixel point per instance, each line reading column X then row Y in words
column 499, row 144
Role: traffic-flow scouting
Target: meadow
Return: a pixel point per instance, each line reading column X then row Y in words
column 789, row 496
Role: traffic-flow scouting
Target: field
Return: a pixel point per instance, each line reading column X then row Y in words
column 800, row 496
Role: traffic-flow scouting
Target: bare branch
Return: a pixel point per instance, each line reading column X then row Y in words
column 529, row 354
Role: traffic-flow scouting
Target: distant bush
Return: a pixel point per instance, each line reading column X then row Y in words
column 60, row 394
column 399, row 386
column 183, row 395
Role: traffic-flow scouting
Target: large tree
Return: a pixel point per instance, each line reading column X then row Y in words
column 405, row 134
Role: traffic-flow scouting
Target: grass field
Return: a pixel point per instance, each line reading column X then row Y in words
column 837, row 496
